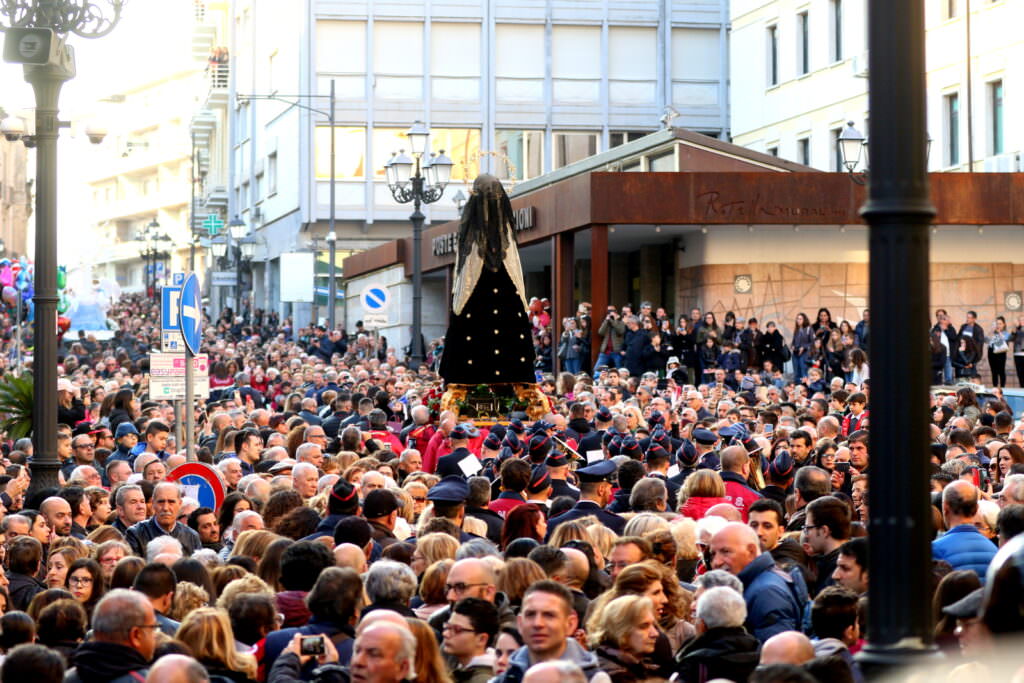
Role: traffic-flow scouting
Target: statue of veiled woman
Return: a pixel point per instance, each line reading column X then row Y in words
column 488, row 339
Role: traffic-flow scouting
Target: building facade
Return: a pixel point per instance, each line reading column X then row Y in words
column 517, row 89
column 15, row 200
column 799, row 73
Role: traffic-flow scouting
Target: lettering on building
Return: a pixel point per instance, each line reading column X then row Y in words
column 445, row 244
column 713, row 205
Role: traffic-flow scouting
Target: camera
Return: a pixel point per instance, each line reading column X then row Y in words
column 95, row 133
column 312, row 646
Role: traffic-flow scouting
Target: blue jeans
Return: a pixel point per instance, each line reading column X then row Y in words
column 612, row 360
column 799, row 367
column 572, row 365
column 947, row 372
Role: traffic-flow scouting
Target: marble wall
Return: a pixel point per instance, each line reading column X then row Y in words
column 782, row 290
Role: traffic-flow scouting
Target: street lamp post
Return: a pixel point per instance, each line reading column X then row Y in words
column 36, row 32
column 412, row 181
column 331, row 121
column 899, row 212
column 332, row 285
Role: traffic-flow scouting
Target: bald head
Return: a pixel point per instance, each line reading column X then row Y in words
column 735, row 459
column 554, row 672
column 177, row 669
column 351, row 556
column 788, row 647
column 577, row 567
column 959, row 503
column 726, row 511
column 382, row 616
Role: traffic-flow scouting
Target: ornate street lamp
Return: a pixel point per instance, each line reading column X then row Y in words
column 853, row 145
column 35, row 37
column 420, row 181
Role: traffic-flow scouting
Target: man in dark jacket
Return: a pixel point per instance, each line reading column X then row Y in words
column 332, row 602
column 164, row 522
column 123, row 641
column 722, row 648
column 775, row 599
column 381, row 510
column 637, row 347
column 24, row 553
column 301, row 564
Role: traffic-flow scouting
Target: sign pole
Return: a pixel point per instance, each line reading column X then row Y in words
column 177, row 423
column 190, row 409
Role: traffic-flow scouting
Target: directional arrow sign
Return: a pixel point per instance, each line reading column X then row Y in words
column 191, row 313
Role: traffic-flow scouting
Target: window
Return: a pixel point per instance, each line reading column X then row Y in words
column 837, row 30
column 772, row 151
column 995, row 96
column 455, row 61
column 576, row 64
column 341, row 53
column 952, row 115
column 573, row 146
column 803, row 57
column 632, row 65
column 803, row 151
column 398, row 73
column 773, row 55
column 950, row 8
column 616, row 138
column 520, row 154
column 349, row 155
column 272, row 172
column 837, row 152
column 462, row 146
column 696, row 67
column 519, row 56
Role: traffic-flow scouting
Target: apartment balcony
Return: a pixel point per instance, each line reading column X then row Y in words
column 217, row 78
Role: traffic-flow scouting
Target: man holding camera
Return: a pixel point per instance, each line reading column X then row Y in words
column 613, row 332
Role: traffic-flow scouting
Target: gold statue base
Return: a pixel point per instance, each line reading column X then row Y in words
column 493, row 402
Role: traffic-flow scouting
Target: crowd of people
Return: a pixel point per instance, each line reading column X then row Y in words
column 674, row 515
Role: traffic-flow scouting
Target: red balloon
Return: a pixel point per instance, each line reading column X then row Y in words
column 63, row 323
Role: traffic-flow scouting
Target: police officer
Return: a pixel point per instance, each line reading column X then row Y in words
column 449, row 499
column 558, row 468
column 594, row 439
column 595, row 494
column 448, row 465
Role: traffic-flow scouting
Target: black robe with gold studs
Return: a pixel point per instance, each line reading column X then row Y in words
column 488, row 339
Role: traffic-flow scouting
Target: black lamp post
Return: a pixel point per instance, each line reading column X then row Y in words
column 35, row 37
column 899, row 211
column 151, row 238
column 410, row 180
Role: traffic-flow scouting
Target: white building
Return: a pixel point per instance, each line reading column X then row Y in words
column 511, row 87
column 799, row 73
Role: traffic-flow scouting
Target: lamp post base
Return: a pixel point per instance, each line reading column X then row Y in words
column 44, row 476
column 882, row 661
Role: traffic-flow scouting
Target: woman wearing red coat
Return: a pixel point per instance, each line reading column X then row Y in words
column 703, row 490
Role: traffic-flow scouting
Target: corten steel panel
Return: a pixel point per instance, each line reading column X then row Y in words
column 599, row 291
column 974, row 198
column 726, row 198
column 699, row 198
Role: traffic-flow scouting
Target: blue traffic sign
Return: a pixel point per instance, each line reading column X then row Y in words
column 169, row 297
column 375, row 299
column 191, row 313
column 178, row 279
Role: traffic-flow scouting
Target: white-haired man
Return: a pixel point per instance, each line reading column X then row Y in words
column 164, row 522
column 722, row 648
column 383, row 653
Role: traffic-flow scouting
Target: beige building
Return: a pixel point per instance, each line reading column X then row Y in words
column 15, row 199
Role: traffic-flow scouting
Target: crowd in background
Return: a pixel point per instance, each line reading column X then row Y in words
column 695, row 506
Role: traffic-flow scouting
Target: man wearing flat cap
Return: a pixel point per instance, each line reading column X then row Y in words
column 595, row 494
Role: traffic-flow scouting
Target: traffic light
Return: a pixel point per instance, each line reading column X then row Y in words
column 31, row 46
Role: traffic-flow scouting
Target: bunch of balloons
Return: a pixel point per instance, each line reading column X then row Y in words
column 16, row 284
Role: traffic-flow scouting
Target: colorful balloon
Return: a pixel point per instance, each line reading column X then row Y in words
column 63, row 324
column 62, row 277
column 62, row 304
column 10, row 295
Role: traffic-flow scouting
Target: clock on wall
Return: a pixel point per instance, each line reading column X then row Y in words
column 1013, row 301
column 742, row 284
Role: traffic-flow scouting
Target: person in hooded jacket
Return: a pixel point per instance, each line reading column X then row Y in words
column 123, row 640
column 723, row 648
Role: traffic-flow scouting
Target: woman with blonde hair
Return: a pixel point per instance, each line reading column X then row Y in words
column 187, row 598
column 253, row 543
column 702, row 490
column 57, row 564
column 433, row 548
column 634, row 417
column 207, row 632
column 652, row 580
column 624, row 636
column 517, row 576
column 573, row 530
column 429, row 664
column 644, row 523
column 108, row 554
column 601, row 540
column 432, row 589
